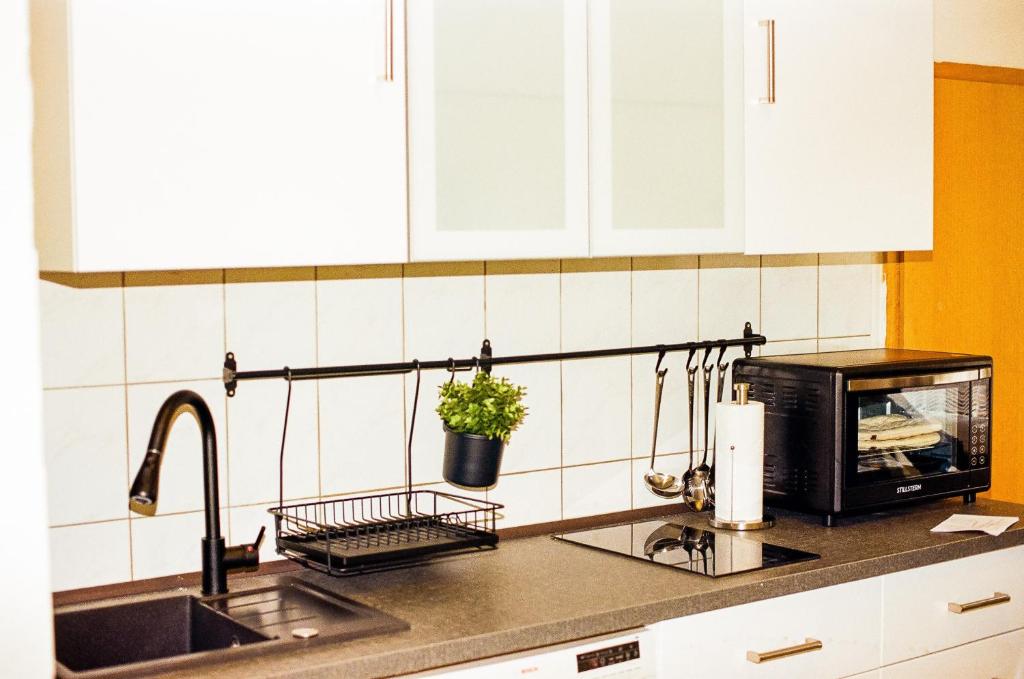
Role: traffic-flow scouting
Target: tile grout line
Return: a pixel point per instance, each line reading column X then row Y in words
column 407, row 440
column 316, row 383
column 817, row 304
column 632, row 376
column 227, row 433
column 561, row 395
column 127, row 439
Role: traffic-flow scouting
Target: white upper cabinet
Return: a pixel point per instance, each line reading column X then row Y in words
column 497, row 129
column 666, row 126
column 219, row 133
column 838, row 125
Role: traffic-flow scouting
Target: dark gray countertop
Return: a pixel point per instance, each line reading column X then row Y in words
column 537, row 591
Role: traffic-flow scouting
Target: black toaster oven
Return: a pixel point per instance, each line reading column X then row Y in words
column 851, row 431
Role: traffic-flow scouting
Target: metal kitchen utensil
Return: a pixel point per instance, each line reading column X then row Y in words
column 691, row 382
column 698, row 487
column 661, row 484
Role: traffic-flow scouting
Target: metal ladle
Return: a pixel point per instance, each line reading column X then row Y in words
column 663, row 485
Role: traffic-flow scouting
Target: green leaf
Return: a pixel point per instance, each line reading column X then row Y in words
column 487, row 406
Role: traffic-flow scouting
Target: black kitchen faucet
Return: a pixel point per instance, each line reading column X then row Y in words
column 217, row 559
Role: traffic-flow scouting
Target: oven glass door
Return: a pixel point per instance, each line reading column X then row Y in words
column 906, row 433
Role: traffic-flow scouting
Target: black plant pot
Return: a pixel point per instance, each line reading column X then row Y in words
column 471, row 460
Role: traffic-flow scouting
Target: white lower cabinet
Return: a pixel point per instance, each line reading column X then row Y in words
column 1000, row 656
column 783, row 632
column 918, row 620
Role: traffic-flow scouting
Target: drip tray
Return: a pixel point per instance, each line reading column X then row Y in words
column 695, row 550
column 292, row 608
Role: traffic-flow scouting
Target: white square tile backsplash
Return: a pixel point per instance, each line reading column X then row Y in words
column 82, row 330
column 523, row 310
column 86, row 457
column 271, row 323
column 580, row 452
column 595, row 410
column 91, row 554
column 359, row 319
column 362, row 434
column 789, row 297
column 174, row 326
column 255, row 418
column 168, row 544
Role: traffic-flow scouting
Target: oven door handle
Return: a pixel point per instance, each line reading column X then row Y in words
column 927, row 380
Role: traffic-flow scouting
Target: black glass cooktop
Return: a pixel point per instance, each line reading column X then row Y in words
column 697, row 550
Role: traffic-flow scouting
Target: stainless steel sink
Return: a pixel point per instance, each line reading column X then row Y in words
column 140, row 637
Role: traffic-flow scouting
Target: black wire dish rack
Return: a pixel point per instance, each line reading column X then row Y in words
column 355, row 535
column 379, row 532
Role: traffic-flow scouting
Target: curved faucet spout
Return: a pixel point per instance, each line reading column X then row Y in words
column 144, row 490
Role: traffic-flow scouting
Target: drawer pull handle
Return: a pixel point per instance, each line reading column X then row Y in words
column 808, row 645
column 995, row 599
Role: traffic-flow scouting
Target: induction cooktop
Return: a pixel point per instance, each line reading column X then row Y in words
column 696, row 550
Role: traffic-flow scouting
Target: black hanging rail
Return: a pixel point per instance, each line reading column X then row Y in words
column 232, row 376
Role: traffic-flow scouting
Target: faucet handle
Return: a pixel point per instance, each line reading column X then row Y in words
column 245, row 558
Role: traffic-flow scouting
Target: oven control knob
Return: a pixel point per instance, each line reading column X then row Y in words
column 974, row 450
column 981, row 460
column 974, row 462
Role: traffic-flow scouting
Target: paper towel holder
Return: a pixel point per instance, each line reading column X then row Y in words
column 741, row 389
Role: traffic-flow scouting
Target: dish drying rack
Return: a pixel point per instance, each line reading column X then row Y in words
column 349, row 536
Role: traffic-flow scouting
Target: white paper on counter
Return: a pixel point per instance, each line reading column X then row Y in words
column 993, row 525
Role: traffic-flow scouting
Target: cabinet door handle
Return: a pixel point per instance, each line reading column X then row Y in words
column 389, row 41
column 995, row 599
column 760, row 657
column 769, row 24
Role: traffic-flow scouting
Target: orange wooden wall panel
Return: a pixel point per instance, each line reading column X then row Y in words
column 968, row 293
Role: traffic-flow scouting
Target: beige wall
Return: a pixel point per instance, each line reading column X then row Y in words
column 987, row 32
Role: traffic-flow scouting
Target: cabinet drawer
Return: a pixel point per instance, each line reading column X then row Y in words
column 843, row 618
column 917, row 619
column 1000, row 656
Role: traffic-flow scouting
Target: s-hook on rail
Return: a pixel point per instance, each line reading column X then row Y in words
column 486, row 360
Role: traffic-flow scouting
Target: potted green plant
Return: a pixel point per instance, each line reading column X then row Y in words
column 479, row 418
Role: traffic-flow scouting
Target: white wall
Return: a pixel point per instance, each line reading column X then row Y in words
column 987, row 32
column 26, row 645
column 115, row 345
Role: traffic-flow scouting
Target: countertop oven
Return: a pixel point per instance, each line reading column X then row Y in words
column 853, row 431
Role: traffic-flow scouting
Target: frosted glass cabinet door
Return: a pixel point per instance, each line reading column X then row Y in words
column 841, row 160
column 666, row 117
column 497, row 129
column 237, row 133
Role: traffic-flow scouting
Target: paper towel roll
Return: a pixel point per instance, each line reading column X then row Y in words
column 739, row 461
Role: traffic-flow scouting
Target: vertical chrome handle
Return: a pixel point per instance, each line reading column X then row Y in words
column 389, row 41
column 764, row 656
column 770, row 25
column 997, row 598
